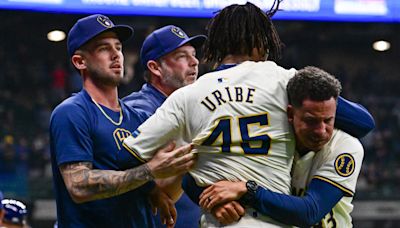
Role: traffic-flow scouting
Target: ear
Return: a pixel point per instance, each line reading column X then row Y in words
column 290, row 113
column 79, row 62
column 154, row 68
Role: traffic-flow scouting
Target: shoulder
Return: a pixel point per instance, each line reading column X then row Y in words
column 148, row 99
column 270, row 66
column 75, row 108
column 346, row 151
column 263, row 68
column 76, row 102
column 342, row 139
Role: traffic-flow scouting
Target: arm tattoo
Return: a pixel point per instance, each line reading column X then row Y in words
column 85, row 183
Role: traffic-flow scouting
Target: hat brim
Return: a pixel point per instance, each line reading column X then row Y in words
column 123, row 32
column 195, row 41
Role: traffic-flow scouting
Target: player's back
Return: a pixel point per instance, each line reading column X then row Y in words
column 237, row 118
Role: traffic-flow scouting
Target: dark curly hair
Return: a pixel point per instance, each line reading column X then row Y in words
column 312, row 83
column 238, row 29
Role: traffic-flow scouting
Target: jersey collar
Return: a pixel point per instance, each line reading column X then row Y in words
column 225, row 66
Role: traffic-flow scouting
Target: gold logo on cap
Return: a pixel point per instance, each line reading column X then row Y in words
column 105, row 21
column 178, row 32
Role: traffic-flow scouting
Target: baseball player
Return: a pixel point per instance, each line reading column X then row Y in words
column 235, row 116
column 169, row 57
column 327, row 162
column 15, row 213
column 86, row 133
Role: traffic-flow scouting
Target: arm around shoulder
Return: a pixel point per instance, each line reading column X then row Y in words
column 353, row 118
column 304, row 211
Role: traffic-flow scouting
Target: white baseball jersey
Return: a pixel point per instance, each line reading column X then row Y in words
column 338, row 163
column 237, row 120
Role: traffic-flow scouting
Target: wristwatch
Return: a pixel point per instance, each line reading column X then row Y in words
column 249, row 197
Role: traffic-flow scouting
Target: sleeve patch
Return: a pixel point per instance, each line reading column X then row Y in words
column 345, row 165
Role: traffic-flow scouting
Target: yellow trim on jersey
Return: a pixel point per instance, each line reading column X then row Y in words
column 133, row 153
column 347, row 192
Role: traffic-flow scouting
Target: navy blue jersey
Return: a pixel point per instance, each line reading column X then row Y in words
column 81, row 132
column 147, row 100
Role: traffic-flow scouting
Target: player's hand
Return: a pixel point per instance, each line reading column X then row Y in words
column 228, row 213
column 221, row 192
column 161, row 202
column 169, row 162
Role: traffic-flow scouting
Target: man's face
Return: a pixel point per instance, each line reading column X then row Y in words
column 179, row 67
column 104, row 59
column 313, row 123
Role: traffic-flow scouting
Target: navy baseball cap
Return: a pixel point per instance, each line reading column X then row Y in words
column 164, row 40
column 15, row 211
column 88, row 27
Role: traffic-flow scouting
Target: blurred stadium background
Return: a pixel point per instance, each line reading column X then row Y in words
column 336, row 35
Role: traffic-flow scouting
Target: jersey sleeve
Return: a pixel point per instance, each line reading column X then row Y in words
column 70, row 132
column 305, row 211
column 343, row 164
column 159, row 129
column 353, row 118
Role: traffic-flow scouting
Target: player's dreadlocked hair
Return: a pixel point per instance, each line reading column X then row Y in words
column 238, row 29
column 314, row 84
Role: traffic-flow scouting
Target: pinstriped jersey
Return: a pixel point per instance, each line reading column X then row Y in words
column 338, row 163
column 237, row 120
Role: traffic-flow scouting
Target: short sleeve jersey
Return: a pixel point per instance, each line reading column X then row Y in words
column 80, row 131
column 237, row 120
column 339, row 164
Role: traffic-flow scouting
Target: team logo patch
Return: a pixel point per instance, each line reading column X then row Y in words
column 178, row 32
column 105, row 21
column 345, row 165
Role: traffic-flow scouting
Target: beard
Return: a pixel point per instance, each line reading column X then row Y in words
column 105, row 79
column 174, row 81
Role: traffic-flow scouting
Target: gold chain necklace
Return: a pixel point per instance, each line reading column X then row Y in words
column 121, row 117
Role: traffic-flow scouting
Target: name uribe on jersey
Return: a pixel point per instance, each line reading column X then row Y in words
column 229, row 94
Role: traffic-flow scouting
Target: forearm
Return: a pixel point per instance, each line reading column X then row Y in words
column 87, row 184
column 320, row 198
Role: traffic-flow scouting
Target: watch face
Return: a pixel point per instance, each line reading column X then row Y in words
column 251, row 186
column 249, row 197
